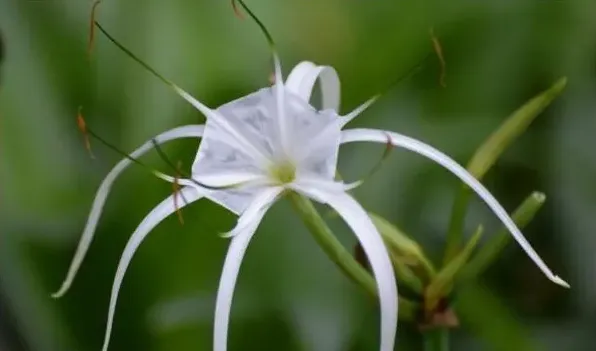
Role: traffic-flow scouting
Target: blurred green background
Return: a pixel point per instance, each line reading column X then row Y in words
column 289, row 295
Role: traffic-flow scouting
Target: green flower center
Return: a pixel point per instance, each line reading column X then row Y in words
column 284, row 173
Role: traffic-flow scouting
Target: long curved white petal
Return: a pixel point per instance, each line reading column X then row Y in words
column 372, row 243
column 190, row 131
column 247, row 225
column 186, row 196
column 381, row 136
column 302, row 80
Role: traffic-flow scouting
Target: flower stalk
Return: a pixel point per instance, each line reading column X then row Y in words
column 340, row 255
column 436, row 339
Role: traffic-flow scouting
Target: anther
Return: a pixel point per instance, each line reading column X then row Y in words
column 92, row 27
column 439, row 51
column 83, row 128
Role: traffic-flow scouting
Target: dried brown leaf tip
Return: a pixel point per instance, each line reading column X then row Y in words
column 83, row 128
column 439, row 51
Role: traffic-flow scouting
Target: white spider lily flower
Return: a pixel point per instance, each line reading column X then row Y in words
column 262, row 145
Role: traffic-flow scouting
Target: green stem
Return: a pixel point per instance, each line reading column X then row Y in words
column 329, row 243
column 455, row 232
column 436, row 339
column 338, row 253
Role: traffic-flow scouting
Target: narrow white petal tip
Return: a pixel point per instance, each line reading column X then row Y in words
column 353, row 185
column 227, row 235
column 555, row 279
column 62, row 291
column 163, row 176
column 58, row 294
column 239, row 228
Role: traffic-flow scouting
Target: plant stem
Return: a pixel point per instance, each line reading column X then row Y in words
column 436, row 339
column 329, row 243
column 338, row 253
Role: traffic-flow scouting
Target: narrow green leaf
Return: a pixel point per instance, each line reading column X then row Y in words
column 444, row 280
column 486, row 156
column 497, row 242
column 511, row 129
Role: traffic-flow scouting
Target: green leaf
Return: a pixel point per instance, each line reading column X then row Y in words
column 488, row 153
column 491, row 250
column 444, row 280
column 511, row 129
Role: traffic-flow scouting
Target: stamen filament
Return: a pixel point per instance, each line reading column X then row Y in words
column 83, row 126
column 388, row 148
column 279, row 84
column 134, row 57
column 176, row 188
column 187, row 176
column 124, row 154
column 257, row 20
column 212, row 115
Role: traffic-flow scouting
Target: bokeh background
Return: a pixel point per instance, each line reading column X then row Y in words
column 290, row 296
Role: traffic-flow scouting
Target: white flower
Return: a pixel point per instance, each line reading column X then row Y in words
column 262, row 145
